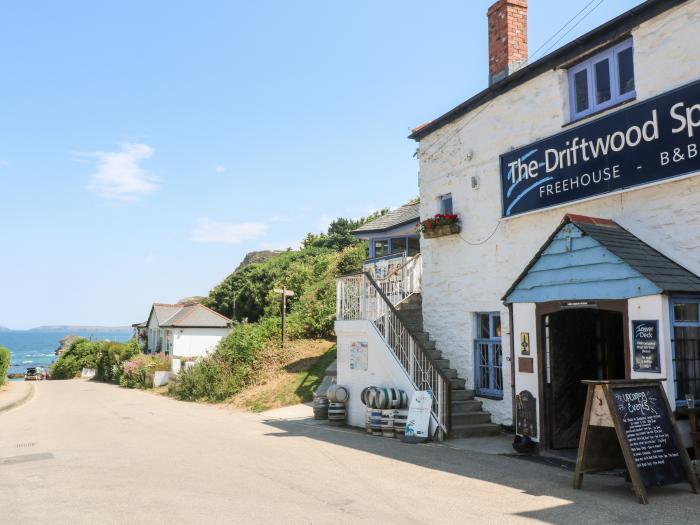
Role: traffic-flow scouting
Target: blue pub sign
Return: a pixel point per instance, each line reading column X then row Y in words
column 644, row 143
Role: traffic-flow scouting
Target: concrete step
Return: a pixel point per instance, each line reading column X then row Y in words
column 478, row 430
column 429, row 346
column 466, row 407
column 457, row 383
column 409, row 307
column 460, row 394
column 442, row 363
column 434, row 354
column 414, row 325
column 423, row 337
column 471, row 418
column 450, row 372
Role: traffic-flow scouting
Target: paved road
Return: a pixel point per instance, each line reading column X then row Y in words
column 82, row 452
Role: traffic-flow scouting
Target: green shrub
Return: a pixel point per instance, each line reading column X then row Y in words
column 110, row 357
column 225, row 372
column 81, row 354
column 4, row 363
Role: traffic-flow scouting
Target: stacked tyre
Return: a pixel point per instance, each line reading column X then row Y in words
column 376, row 422
column 384, row 398
column 338, row 394
column 321, row 407
column 336, row 413
column 388, row 423
column 400, row 423
column 368, row 419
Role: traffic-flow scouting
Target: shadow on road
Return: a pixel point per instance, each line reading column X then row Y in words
column 603, row 499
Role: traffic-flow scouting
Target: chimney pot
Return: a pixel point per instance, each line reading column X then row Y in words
column 507, row 23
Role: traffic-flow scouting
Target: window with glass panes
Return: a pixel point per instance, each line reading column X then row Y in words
column 488, row 355
column 685, row 316
column 446, row 204
column 381, row 248
column 602, row 81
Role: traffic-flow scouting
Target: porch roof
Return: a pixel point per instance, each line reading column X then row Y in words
column 598, row 259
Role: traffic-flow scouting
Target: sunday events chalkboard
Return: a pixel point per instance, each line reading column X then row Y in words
column 650, row 435
column 628, row 423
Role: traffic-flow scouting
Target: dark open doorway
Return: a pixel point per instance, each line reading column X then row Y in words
column 579, row 344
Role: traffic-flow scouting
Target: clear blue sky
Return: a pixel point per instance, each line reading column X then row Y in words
column 145, row 147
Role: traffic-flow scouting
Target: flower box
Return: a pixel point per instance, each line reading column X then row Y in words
column 441, row 230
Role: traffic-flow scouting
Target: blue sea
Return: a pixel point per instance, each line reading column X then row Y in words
column 38, row 348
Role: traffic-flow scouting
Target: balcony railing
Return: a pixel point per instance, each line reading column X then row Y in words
column 360, row 297
column 397, row 275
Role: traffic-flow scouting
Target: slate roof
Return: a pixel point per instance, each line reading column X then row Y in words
column 666, row 274
column 188, row 316
column 406, row 214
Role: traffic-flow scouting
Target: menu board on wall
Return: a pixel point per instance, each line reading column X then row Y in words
column 358, row 355
column 645, row 345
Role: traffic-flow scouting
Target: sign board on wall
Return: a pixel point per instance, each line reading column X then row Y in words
column 358, row 355
column 525, row 343
column 645, row 346
column 647, row 142
column 526, row 414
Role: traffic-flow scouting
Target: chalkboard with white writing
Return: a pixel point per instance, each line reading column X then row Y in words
column 643, row 412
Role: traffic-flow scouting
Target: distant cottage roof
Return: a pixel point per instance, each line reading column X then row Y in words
column 187, row 316
column 406, row 214
column 618, row 27
column 665, row 274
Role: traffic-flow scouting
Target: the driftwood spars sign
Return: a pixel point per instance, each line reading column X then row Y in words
column 628, row 424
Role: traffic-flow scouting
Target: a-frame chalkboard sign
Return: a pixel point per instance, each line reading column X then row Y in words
column 629, row 424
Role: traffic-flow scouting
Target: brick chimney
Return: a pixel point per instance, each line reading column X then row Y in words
column 507, row 38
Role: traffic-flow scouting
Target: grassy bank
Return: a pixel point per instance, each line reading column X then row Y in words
column 287, row 376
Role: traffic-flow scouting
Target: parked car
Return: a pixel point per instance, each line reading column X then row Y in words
column 35, row 373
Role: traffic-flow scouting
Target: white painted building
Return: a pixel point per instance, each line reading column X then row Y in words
column 589, row 88
column 183, row 330
column 561, row 246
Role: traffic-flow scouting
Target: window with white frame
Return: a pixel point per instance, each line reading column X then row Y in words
column 446, row 204
column 488, row 355
column 602, row 81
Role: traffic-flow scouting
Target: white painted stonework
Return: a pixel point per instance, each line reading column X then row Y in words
column 468, row 273
column 195, row 342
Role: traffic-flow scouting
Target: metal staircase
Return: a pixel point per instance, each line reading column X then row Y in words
column 393, row 304
column 468, row 419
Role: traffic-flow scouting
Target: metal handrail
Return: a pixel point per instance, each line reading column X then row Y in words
column 410, row 352
column 409, row 260
column 411, row 332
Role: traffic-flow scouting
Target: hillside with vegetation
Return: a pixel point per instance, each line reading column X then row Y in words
column 249, row 367
column 251, row 356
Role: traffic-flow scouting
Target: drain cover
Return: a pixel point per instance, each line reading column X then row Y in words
column 25, row 445
column 26, row 458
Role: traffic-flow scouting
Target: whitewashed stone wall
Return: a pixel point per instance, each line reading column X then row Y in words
column 470, row 273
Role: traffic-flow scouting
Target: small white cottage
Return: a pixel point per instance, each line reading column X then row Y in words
column 182, row 330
